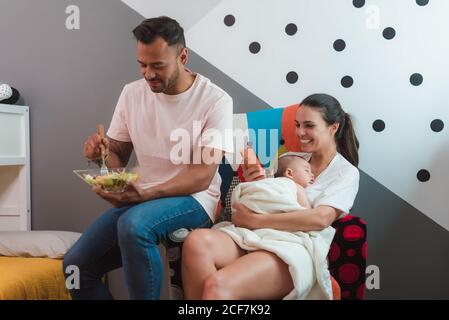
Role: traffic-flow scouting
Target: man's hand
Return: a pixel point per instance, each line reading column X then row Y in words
column 117, row 152
column 132, row 195
column 244, row 217
column 92, row 146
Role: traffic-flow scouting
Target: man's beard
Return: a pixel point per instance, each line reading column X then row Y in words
column 172, row 81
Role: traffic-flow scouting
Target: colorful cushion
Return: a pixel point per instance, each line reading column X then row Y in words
column 347, row 256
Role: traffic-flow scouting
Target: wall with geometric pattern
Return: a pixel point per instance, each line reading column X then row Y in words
column 388, row 75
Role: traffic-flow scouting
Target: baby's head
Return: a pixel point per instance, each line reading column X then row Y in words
column 295, row 168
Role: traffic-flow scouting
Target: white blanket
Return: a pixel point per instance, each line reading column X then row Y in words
column 304, row 252
column 266, row 196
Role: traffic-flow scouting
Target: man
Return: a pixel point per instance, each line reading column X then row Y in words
column 170, row 194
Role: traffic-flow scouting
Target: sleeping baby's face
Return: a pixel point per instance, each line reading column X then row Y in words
column 297, row 169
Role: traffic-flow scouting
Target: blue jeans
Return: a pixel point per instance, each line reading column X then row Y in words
column 129, row 237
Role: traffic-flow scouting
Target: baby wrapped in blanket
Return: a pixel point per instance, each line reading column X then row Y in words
column 304, row 252
column 284, row 193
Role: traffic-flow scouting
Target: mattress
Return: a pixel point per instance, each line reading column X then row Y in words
column 32, row 279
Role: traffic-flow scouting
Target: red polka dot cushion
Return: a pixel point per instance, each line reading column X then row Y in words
column 347, row 257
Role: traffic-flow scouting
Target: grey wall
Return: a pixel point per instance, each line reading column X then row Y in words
column 410, row 249
column 71, row 80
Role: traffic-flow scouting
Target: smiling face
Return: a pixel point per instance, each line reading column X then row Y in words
column 160, row 64
column 313, row 131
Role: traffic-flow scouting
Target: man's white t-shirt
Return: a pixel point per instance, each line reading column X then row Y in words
column 336, row 186
column 157, row 124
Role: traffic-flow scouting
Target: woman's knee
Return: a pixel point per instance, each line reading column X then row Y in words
column 198, row 242
column 216, row 287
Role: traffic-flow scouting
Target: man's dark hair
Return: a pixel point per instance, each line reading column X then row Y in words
column 164, row 27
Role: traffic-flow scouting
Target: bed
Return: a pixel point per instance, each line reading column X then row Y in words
column 32, row 279
column 31, row 264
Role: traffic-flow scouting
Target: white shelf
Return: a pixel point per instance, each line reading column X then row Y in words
column 9, row 211
column 15, row 190
column 12, row 161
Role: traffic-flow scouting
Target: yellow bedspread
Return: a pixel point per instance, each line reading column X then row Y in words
column 32, row 278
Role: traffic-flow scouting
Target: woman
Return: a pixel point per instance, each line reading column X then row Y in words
column 215, row 267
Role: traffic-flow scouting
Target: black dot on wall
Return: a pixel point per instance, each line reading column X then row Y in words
column 416, row 79
column 358, row 3
column 339, row 45
column 229, row 20
column 254, row 47
column 347, row 81
column 389, row 33
column 282, row 142
column 423, row 175
column 378, row 125
column 291, row 29
column 292, row 77
column 422, row 2
column 437, row 125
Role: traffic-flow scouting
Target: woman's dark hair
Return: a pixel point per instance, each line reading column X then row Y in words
column 345, row 138
column 164, row 27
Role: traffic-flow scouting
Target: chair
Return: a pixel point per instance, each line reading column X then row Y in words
column 348, row 252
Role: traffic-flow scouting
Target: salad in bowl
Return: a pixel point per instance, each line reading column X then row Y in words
column 114, row 181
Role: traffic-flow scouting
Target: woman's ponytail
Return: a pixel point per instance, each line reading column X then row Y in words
column 347, row 142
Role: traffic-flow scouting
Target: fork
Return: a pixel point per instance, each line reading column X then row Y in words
column 103, row 169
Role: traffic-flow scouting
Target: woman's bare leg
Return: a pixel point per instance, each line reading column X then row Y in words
column 256, row 275
column 203, row 253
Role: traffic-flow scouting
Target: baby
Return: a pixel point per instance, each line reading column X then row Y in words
column 284, row 193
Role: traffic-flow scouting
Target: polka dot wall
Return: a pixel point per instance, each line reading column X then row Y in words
column 385, row 61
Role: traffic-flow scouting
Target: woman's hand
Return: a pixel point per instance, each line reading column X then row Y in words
column 244, row 217
column 253, row 172
column 133, row 194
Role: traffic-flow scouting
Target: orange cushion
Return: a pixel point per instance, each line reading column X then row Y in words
column 291, row 139
column 335, row 289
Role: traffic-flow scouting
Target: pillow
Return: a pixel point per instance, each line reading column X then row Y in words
column 41, row 244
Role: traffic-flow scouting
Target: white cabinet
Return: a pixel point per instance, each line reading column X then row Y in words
column 15, row 195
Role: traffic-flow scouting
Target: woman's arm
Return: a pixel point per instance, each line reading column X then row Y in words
column 303, row 220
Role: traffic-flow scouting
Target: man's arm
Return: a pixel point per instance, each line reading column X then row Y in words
column 119, row 153
column 196, row 178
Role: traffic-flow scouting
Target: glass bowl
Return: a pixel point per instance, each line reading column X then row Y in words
column 114, row 181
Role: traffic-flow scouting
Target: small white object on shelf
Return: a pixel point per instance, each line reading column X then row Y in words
column 15, row 190
column 5, row 91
